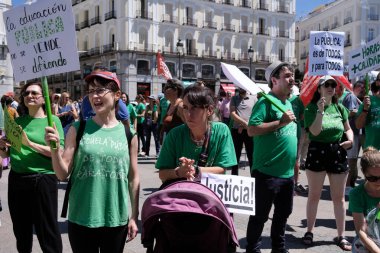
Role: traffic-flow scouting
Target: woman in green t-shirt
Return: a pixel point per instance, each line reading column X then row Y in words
column 131, row 110
column 103, row 168
column 364, row 198
column 327, row 122
column 199, row 145
column 32, row 184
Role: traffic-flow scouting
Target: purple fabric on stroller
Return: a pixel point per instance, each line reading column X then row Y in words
column 186, row 217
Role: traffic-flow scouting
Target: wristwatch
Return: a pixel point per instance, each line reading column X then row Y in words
column 322, row 113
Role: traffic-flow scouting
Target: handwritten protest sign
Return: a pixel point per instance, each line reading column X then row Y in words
column 365, row 59
column 41, row 39
column 326, row 52
column 13, row 131
column 237, row 193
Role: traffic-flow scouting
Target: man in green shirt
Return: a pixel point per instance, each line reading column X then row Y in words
column 275, row 133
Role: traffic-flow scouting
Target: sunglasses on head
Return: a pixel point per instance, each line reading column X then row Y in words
column 329, row 84
column 372, row 178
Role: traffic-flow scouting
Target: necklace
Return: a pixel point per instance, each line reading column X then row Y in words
column 197, row 142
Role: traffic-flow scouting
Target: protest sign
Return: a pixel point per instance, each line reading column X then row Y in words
column 237, row 193
column 13, row 131
column 365, row 59
column 326, row 52
column 41, row 39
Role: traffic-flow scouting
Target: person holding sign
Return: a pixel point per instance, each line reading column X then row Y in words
column 199, row 145
column 32, row 184
column 363, row 199
column 103, row 168
column 368, row 116
column 274, row 157
column 327, row 121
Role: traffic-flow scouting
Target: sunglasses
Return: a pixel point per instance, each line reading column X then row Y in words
column 33, row 92
column 372, row 178
column 330, row 84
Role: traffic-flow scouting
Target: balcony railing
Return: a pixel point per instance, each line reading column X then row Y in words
column 192, row 52
column 144, row 15
column 245, row 29
column 190, row 22
column 95, row 20
column 94, row 51
column 85, row 24
column 334, row 25
column 143, row 71
column 262, row 31
column 283, row 34
column 110, row 15
column 144, row 47
column 326, row 28
column 75, row 2
column 244, row 56
column 229, row 2
column 108, row 48
column 228, row 27
column 84, row 54
column 347, row 20
column 283, row 9
column 168, row 50
column 208, row 75
column 373, row 17
column 228, row 56
column 245, row 4
column 77, row 27
column 347, row 43
column 208, row 54
column 262, row 58
column 210, row 25
column 261, row 6
column 169, row 18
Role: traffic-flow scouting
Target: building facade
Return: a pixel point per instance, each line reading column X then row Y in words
column 6, row 72
column 125, row 35
column 358, row 19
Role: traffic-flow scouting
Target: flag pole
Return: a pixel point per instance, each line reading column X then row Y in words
column 45, row 91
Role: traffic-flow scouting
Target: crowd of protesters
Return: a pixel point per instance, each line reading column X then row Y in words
column 324, row 138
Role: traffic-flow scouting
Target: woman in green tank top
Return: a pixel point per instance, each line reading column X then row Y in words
column 103, row 170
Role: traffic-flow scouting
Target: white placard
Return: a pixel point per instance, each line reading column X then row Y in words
column 41, row 39
column 326, row 51
column 236, row 192
column 365, row 59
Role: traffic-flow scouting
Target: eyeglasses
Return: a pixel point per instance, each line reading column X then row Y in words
column 33, row 92
column 372, row 178
column 99, row 91
column 330, row 84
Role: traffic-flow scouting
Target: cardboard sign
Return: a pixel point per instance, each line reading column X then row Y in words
column 236, row 192
column 41, row 39
column 326, row 53
column 13, row 132
column 365, row 59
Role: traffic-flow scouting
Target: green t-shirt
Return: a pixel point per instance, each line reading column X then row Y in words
column 372, row 125
column 360, row 201
column 275, row 152
column 28, row 160
column 164, row 105
column 332, row 122
column 298, row 110
column 139, row 109
column 99, row 194
column 178, row 144
column 132, row 114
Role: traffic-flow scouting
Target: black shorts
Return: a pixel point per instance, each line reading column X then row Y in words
column 329, row 157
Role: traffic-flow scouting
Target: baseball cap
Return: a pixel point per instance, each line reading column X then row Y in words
column 152, row 97
column 103, row 74
column 325, row 79
column 271, row 69
column 160, row 95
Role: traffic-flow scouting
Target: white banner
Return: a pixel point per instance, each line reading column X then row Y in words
column 326, row 52
column 236, row 192
column 41, row 39
column 365, row 59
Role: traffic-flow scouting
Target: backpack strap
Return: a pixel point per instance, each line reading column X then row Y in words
column 80, row 132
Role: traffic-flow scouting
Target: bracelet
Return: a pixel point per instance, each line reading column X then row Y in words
column 366, row 111
column 322, row 113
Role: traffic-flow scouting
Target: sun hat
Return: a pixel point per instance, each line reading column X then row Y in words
column 152, row 97
column 271, row 69
column 325, row 79
column 103, row 74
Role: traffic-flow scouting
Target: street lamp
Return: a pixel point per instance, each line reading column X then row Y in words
column 250, row 54
column 179, row 49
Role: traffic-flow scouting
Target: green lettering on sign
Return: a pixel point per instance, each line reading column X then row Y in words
column 13, row 131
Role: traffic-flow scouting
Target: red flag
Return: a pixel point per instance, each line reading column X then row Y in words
column 342, row 80
column 162, row 69
column 309, row 85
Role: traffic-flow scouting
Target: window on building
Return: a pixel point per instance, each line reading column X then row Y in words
column 189, row 70
column 171, row 67
column 371, row 34
column 207, row 71
column 113, row 66
column 245, row 71
column 260, row 74
column 142, row 67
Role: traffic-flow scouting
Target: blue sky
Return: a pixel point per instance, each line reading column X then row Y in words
column 303, row 6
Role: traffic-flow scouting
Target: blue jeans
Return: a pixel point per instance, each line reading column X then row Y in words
column 270, row 190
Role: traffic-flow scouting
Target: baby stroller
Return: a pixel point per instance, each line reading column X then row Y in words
column 186, row 217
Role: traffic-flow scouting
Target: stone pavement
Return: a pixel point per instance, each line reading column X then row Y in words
column 323, row 235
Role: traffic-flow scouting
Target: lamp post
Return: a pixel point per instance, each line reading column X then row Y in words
column 179, row 49
column 250, row 54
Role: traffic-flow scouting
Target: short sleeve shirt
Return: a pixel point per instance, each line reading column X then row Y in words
column 243, row 106
column 139, row 109
column 360, row 201
column 372, row 125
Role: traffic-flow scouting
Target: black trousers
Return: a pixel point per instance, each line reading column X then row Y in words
column 149, row 129
column 91, row 240
column 141, row 136
column 238, row 140
column 33, row 202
